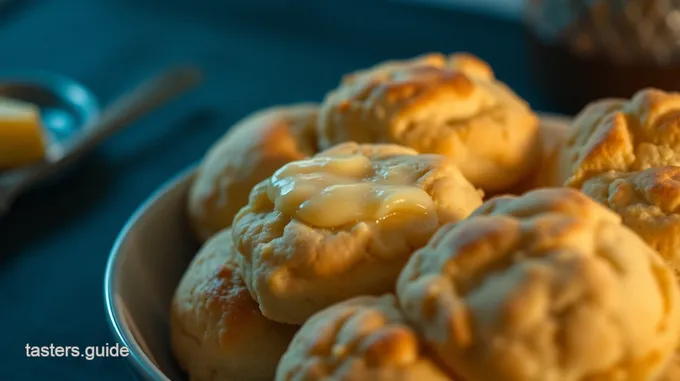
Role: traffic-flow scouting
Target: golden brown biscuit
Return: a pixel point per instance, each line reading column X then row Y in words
column 464, row 62
column 361, row 339
column 672, row 370
column 436, row 104
column 218, row 332
column 553, row 132
column 343, row 224
column 623, row 135
column 649, row 204
column 544, row 287
column 250, row 152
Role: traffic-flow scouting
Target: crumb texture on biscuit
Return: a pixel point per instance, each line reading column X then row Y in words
column 361, row 339
column 544, row 287
column 672, row 370
column 248, row 153
column 451, row 105
column 294, row 267
column 218, row 332
column 553, row 133
column 648, row 202
column 623, row 135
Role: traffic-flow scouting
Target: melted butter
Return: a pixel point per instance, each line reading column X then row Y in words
column 329, row 192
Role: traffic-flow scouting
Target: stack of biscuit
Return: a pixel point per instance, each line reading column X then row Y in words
column 420, row 224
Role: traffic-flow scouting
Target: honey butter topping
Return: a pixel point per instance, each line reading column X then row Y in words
column 329, row 192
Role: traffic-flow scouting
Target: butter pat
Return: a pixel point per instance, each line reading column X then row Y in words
column 330, row 192
column 22, row 140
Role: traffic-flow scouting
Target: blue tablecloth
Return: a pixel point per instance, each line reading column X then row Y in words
column 54, row 244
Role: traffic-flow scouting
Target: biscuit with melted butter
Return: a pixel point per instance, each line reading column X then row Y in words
column 361, row 339
column 451, row 105
column 343, row 224
column 622, row 135
column 218, row 332
column 250, row 152
column 549, row 286
column 648, row 202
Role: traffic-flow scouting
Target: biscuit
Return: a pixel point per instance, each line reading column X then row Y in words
column 361, row 339
column 250, row 152
column 217, row 330
column 648, row 202
column 553, row 132
column 672, row 370
column 343, row 224
column 437, row 104
column 622, row 135
column 544, row 287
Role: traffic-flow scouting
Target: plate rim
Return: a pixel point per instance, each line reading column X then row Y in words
column 118, row 327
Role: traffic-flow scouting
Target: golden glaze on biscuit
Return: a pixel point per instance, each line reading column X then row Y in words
column 623, row 135
column 649, row 204
column 544, row 287
column 218, row 331
column 250, row 152
column 294, row 268
column 436, row 104
column 337, row 190
column 361, row 339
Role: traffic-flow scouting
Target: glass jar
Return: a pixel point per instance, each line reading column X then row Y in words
column 583, row 50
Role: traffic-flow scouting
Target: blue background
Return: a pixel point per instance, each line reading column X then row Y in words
column 54, row 244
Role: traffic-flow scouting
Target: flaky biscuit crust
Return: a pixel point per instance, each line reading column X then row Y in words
column 551, row 290
column 437, row 104
column 294, row 270
column 623, row 135
column 361, row 339
column 648, row 202
column 218, row 332
column 672, row 370
column 553, row 132
column 251, row 151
